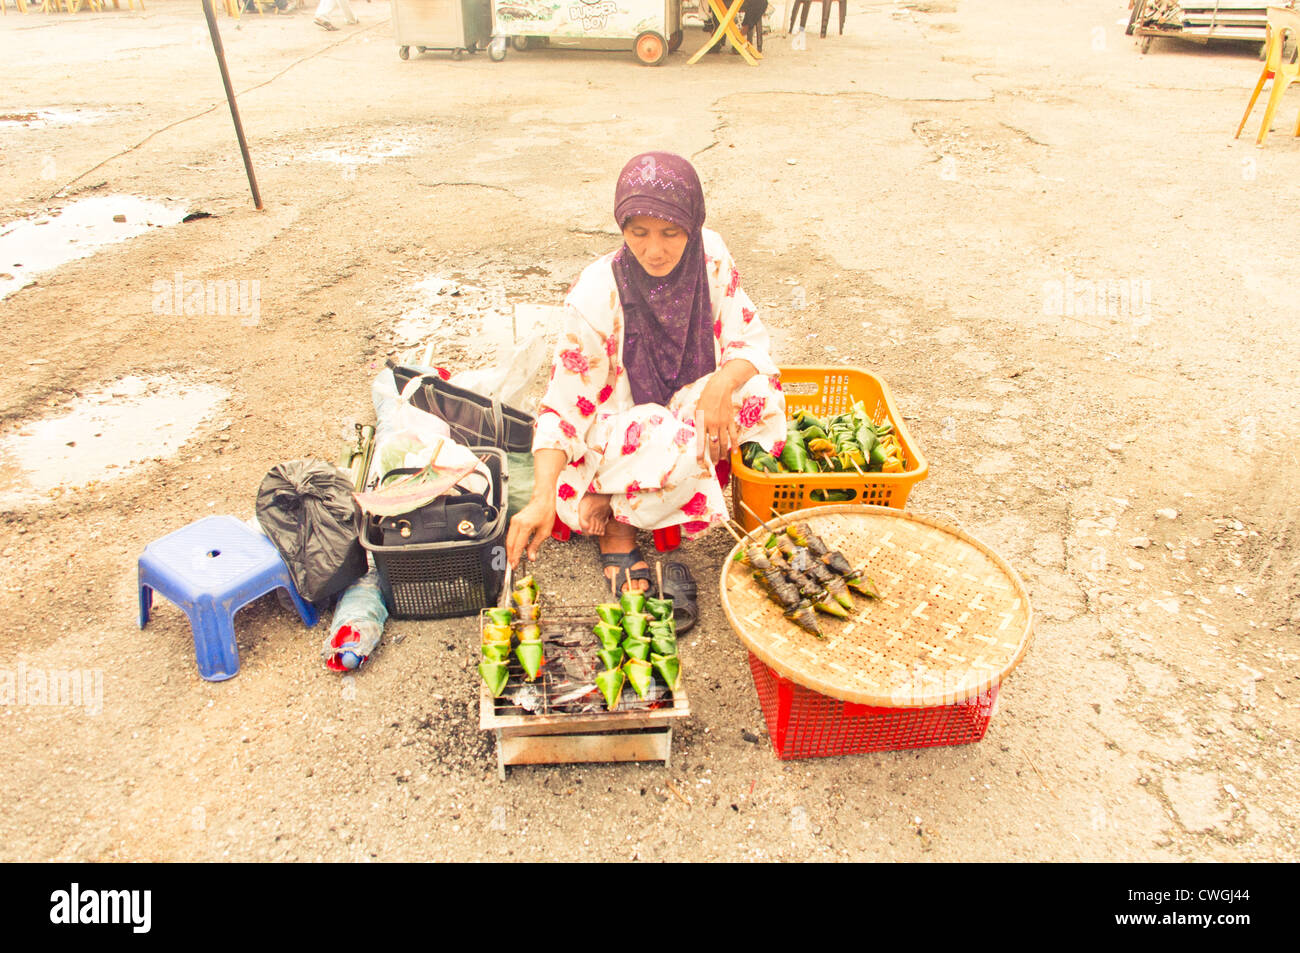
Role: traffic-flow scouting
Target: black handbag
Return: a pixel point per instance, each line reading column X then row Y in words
column 474, row 420
column 455, row 516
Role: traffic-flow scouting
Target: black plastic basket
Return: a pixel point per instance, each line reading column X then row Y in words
column 442, row 580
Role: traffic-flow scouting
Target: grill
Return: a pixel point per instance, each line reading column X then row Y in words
column 561, row 718
column 566, row 684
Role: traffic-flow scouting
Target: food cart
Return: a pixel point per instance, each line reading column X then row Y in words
column 650, row 28
column 457, row 25
column 1198, row 20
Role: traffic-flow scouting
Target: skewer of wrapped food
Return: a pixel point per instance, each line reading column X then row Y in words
column 638, row 640
column 530, row 652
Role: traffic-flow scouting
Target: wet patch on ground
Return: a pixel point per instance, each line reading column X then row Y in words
column 101, row 435
column 33, row 246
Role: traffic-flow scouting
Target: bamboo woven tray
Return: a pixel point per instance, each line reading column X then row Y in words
column 952, row 621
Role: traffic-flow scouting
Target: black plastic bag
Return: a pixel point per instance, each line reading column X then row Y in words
column 308, row 512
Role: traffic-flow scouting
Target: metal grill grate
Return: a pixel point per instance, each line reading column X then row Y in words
column 566, row 683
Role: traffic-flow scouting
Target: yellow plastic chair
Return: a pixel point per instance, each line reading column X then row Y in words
column 1283, row 25
column 726, row 17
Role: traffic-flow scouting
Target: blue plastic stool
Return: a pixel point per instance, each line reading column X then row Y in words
column 211, row 569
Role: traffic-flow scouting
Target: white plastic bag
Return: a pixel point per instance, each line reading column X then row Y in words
column 402, row 432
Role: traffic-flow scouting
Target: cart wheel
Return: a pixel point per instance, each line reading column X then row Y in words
column 674, row 41
column 520, row 43
column 497, row 49
column 404, row 52
column 651, row 48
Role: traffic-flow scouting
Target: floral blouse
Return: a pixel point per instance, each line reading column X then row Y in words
column 588, row 380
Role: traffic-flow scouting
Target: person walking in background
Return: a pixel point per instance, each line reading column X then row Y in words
column 323, row 13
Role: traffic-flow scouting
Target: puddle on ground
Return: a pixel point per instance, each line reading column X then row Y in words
column 102, row 435
column 38, row 118
column 33, row 246
column 364, row 153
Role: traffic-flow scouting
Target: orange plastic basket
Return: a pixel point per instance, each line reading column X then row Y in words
column 827, row 391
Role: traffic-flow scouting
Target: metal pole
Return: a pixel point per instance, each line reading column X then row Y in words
column 230, row 98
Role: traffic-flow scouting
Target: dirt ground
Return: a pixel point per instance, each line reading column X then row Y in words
column 936, row 188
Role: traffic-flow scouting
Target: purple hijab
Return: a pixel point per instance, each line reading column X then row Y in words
column 668, row 322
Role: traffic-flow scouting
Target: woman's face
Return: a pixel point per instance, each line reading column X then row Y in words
column 657, row 245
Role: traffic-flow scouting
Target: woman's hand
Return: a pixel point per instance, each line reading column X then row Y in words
column 531, row 525
column 529, row 528
column 715, row 422
column 716, row 431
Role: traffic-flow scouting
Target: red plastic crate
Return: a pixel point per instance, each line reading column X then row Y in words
column 806, row 724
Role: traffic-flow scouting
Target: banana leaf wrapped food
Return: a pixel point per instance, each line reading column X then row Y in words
column 661, row 628
column 610, row 635
column 531, row 656
column 495, row 675
column 847, row 442
column 610, row 612
column 525, row 592
column 611, row 658
column 640, row 674
column 668, row 668
column 832, row 496
column 610, row 682
column 833, row 559
column 501, row 616
column 637, row 648
column 803, row 616
column 797, row 607
column 660, row 610
column 664, row 644
column 635, row 623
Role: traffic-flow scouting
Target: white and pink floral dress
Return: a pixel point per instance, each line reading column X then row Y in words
column 644, row 455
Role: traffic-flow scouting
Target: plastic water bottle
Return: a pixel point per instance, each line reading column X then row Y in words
column 358, row 624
